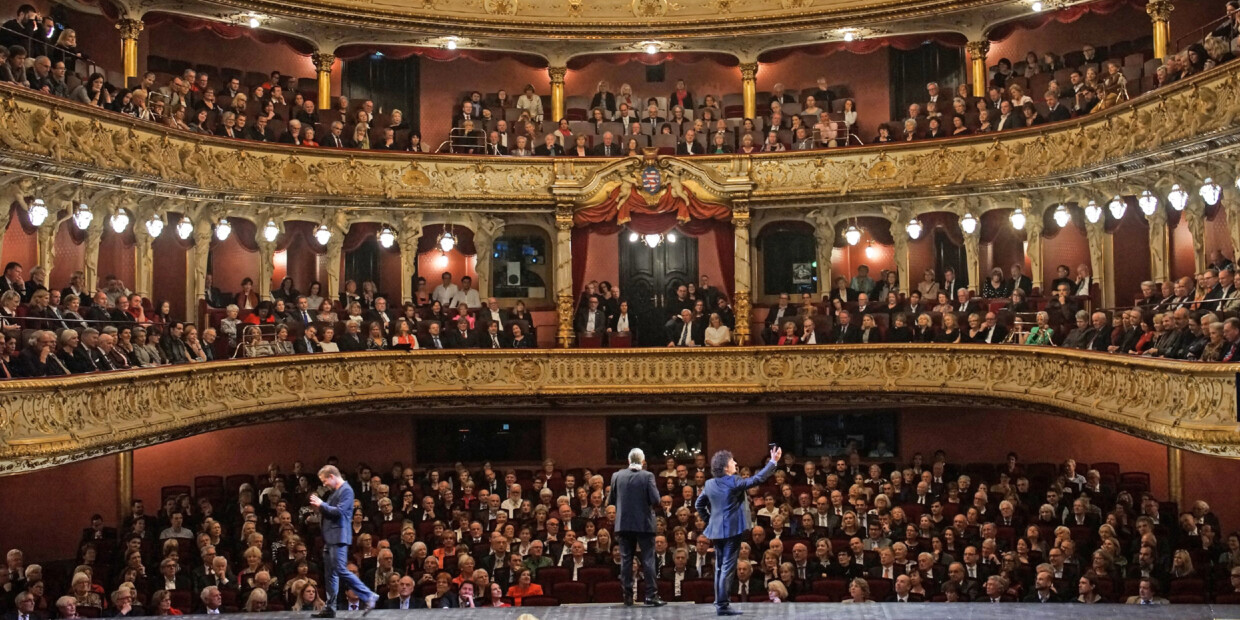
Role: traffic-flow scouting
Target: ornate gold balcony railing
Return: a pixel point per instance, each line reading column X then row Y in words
column 50, row 421
column 58, row 139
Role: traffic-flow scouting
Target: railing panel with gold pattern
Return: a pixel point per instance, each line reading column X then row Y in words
column 55, row 136
column 50, row 421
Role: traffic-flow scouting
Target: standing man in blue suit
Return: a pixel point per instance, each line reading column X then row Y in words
column 723, row 502
column 635, row 497
column 335, row 514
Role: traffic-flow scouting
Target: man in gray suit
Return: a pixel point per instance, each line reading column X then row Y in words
column 635, row 497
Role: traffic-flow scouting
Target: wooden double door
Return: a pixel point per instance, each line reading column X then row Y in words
column 649, row 278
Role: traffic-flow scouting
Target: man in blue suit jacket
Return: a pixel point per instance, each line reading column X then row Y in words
column 335, row 515
column 722, row 502
column 635, row 497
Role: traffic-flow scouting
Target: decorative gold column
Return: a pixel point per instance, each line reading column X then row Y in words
column 129, row 28
column 144, row 259
column 749, row 88
column 1175, row 475
column 973, row 262
column 323, row 66
column 335, row 270
column 823, row 221
column 124, row 483
column 1160, row 270
column 266, row 262
column 900, row 240
column 1097, row 237
column 1231, row 206
column 46, row 237
column 1160, row 13
column 486, row 230
column 410, row 235
column 741, row 281
column 564, row 273
column 557, row 92
column 977, row 65
column 196, row 274
column 1033, row 241
column 90, row 255
column 1195, row 218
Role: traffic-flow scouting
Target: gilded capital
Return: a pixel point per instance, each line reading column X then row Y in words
column 557, row 74
column 1159, row 10
column 323, row 62
column 129, row 27
column 977, row 49
column 749, row 71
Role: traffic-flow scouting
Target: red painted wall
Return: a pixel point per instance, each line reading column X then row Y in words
column 1130, row 247
column 432, row 265
column 992, row 433
column 1217, row 235
column 866, row 75
column 168, row 281
column 588, row 447
column 1202, row 475
column 444, row 84
column 116, row 256
column 603, row 262
column 47, row 529
column 1069, row 246
column 231, row 263
column 1181, row 253
column 69, row 256
column 18, row 246
column 846, row 260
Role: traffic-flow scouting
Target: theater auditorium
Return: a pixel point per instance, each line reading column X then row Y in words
column 966, row 268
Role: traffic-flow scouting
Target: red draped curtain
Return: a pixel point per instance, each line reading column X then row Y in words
column 867, row 46
column 581, row 62
column 399, row 52
column 1065, row 15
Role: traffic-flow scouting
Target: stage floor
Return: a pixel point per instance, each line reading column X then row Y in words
column 833, row 611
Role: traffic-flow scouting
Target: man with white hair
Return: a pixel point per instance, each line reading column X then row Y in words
column 634, row 494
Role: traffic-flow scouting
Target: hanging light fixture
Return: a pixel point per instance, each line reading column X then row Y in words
column 1148, row 202
column 185, row 228
column 271, row 231
column 1061, row 216
column 1018, row 219
column 120, row 221
column 386, row 237
column 653, row 240
column 223, row 229
column 1093, row 213
column 450, row 43
column 634, row 237
column 37, row 212
column 1118, row 207
column 671, row 237
column 82, row 217
column 1177, row 197
column 968, row 224
column 871, row 252
column 1210, row 192
column 913, row 228
column 852, row 235
column 1036, row 5
column 155, row 225
column 446, row 240
column 322, row 234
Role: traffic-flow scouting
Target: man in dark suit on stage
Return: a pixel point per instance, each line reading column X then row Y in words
column 634, row 494
column 336, row 514
column 723, row 503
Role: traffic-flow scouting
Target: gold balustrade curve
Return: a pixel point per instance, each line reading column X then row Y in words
column 61, row 140
column 47, row 422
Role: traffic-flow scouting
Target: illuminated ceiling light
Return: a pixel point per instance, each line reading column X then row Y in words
column 870, row 251
column 223, row 229
column 1093, row 213
column 1118, row 207
column 913, row 228
column 1177, row 197
column 1036, row 6
column 37, row 212
column 968, row 224
column 651, row 47
column 849, row 35
column 185, row 228
column 155, row 225
column 451, row 43
column 446, row 241
column 322, row 234
column 386, row 237
column 1210, row 192
column 271, row 231
column 1018, row 219
column 634, row 237
column 852, row 235
column 82, row 217
column 653, row 240
column 1062, row 216
column 1238, row 182
column 1148, row 202
column 254, row 23
column 120, row 221
column 671, row 237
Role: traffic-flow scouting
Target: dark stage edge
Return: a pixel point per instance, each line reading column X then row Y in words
column 830, row 611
